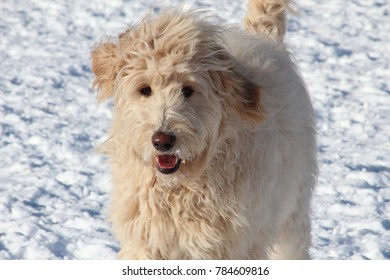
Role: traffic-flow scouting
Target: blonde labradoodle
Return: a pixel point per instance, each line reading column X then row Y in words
column 212, row 146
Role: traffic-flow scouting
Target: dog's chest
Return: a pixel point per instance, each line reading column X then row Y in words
column 185, row 223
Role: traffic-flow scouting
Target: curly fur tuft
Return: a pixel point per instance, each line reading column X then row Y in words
column 268, row 17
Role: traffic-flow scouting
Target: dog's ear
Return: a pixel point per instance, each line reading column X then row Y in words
column 105, row 66
column 240, row 94
column 236, row 90
column 247, row 101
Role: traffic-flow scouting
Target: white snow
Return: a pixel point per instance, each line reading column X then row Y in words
column 54, row 185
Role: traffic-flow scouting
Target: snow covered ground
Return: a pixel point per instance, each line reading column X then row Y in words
column 53, row 185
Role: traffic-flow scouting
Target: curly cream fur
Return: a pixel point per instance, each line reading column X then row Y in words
column 267, row 16
column 245, row 137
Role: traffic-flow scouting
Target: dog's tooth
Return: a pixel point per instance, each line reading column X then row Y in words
column 178, row 153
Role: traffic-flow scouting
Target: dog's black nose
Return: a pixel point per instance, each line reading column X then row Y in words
column 163, row 141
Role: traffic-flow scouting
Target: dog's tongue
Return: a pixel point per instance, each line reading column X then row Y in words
column 167, row 161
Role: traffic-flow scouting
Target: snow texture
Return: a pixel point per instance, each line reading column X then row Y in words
column 54, row 185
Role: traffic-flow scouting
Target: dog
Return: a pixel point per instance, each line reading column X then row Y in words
column 212, row 147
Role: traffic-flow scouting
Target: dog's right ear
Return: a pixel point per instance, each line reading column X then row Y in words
column 105, row 66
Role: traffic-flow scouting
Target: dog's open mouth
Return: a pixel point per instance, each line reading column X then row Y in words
column 168, row 164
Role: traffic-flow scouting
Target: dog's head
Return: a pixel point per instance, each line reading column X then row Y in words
column 174, row 86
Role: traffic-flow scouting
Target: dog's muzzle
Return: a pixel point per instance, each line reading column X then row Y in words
column 164, row 142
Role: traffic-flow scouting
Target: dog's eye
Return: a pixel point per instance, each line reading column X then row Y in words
column 187, row 91
column 146, row 91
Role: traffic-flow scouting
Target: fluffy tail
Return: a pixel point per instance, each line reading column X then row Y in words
column 268, row 17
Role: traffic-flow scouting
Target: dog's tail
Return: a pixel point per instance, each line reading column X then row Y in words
column 268, row 17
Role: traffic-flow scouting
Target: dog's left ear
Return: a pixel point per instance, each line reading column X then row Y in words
column 236, row 90
column 240, row 94
column 247, row 100
column 104, row 65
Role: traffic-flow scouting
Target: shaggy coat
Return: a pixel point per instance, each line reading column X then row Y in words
column 236, row 179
